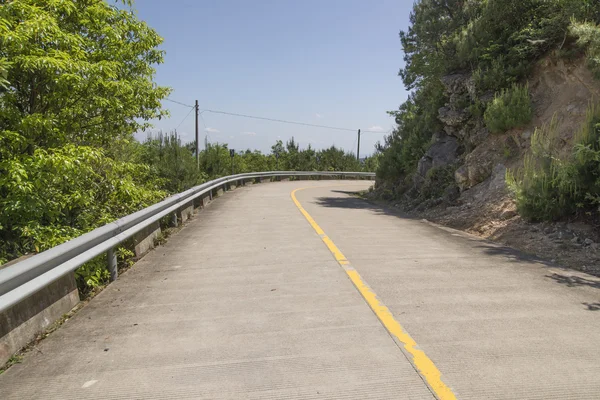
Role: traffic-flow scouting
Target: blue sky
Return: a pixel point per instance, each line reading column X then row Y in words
column 327, row 62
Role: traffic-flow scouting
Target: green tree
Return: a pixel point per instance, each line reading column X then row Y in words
column 173, row 162
column 496, row 42
column 76, row 81
column 78, row 72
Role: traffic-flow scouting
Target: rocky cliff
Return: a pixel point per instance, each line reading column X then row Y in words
column 479, row 160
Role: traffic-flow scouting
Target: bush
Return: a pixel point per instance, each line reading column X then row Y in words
column 510, row 109
column 437, row 181
column 588, row 37
column 173, row 162
column 549, row 186
column 54, row 195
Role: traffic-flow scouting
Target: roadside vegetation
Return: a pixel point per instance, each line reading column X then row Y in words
column 511, row 108
column 493, row 46
column 76, row 83
column 551, row 186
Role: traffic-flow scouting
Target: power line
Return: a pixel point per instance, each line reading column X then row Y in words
column 203, row 122
column 285, row 121
column 178, row 102
column 206, row 133
column 187, row 115
column 270, row 119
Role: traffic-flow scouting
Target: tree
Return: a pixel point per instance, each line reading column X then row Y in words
column 78, row 72
column 76, row 81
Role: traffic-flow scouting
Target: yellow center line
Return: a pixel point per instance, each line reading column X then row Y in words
column 423, row 364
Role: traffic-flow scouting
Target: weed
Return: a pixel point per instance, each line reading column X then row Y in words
column 511, row 108
column 549, row 186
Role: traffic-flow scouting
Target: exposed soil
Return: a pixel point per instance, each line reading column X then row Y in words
column 573, row 244
column 561, row 90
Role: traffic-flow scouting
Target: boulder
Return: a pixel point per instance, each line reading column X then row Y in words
column 478, row 173
column 461, row 176
column 455, row 83
column 508, row 214
column 452, row 117
column 478, row 135
column 444, row 151
column 474, row 173
column 498, row 181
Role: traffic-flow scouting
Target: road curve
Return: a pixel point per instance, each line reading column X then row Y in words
column 251, row 301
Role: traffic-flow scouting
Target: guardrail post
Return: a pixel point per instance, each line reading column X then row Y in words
column 174, row 220
column 111, row 257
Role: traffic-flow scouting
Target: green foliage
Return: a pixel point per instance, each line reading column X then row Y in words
column 588, row 37
column 437, row 180
column 76, row 81
column 216, row 161
column 497, row 41
column 549, row 186
column 16, row 359
column 172, row 162
column 54, row 195
column 511, row 108
column 417, row 121
column 75, row 72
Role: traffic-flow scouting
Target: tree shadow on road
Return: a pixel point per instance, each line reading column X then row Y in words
column 488, row 248
column 493, row 249
column 352, row 201
column 575, row 281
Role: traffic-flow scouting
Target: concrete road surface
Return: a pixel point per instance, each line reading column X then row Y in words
column 340, row 299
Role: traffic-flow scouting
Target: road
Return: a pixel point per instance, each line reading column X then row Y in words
column 319, row 295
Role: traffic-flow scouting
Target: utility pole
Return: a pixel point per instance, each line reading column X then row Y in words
column 197, row 139
column 358, row 148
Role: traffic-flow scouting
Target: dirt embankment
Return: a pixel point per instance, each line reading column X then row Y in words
column 559, row 90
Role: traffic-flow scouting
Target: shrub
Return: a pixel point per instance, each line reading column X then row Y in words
column 54, row 195
column 173, row 162
column 437, row 180
column 548, row 186
column 510, row 109
column 588, row 37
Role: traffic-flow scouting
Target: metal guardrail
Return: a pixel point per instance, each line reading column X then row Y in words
column 22, row 279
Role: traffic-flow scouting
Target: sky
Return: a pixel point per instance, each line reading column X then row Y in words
column 324, row 62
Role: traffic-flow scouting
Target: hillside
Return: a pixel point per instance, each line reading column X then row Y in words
column 501, row 137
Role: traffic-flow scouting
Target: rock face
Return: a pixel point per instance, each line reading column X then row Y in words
column 461, row 176
column 458, row 83
column 444, row 151
column 461, row 125
column 456, row 115
column 452, row 117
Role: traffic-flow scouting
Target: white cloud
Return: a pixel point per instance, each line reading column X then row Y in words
column 318, row 115
column 211, row 130
column 376, row 128
column 249, row 133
